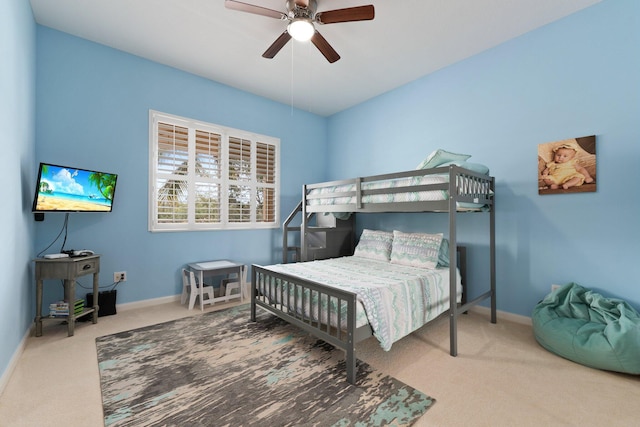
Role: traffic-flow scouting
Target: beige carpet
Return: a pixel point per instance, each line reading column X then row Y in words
column 501, row 377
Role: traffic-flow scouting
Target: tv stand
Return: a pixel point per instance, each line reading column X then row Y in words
column 67, row 269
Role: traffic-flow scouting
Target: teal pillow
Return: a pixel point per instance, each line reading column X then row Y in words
column 443, row 254
column 374, row 244
column 473, row 167
column 416, row 249
column 440, row 157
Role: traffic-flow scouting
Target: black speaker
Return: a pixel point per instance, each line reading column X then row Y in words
column 106, row 301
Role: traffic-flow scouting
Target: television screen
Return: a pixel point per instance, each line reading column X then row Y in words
column 66, row 189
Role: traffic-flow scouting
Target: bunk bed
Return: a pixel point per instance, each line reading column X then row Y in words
column 330, row 312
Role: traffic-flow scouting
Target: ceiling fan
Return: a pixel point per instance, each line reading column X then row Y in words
column 301, row 15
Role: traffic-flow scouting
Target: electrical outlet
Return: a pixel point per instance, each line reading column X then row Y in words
column 554, row 287
column 120, row 276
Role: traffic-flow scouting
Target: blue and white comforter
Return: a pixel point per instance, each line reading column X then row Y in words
column 394, row 299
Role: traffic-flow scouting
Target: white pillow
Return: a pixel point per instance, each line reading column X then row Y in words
column 374, row 244
column 416, row 249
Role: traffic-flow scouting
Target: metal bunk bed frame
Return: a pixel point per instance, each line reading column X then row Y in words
column 463, row 186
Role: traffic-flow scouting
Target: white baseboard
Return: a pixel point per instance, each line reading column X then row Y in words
column 4, row 380
column 162, row 300
column 147, row 303
column 516, row 318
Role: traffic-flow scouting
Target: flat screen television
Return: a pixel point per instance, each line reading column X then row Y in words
column 67, row 189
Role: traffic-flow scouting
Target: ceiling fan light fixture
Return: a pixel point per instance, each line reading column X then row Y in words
column 301, row 29
column 301, row 16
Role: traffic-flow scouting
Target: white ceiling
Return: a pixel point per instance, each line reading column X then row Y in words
column 406, row 40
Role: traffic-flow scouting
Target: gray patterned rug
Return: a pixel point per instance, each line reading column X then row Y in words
column 220, row 369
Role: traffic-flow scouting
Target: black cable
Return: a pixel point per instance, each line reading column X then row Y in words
column 113, row 285
column 66, row 227
column 63, row 229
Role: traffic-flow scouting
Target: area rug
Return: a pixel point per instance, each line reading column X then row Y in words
column 221, row 369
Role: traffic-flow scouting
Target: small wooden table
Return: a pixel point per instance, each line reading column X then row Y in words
column 67, row 269
column 220, row 268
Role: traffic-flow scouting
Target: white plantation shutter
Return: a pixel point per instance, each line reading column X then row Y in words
column 239, row 193
column 208, row 172
column 266, row 182
column 171, row 178
column 204, row 176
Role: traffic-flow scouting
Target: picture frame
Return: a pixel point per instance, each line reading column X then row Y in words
column 567, row 166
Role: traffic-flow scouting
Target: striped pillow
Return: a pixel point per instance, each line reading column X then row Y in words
column 374, row 244
column 416, row 249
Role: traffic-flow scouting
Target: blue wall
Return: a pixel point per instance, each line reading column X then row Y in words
column 93, row 107
column 17, row 121
column 87, row 105
column 576, row 77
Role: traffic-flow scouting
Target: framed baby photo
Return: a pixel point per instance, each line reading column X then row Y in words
column 567, row 166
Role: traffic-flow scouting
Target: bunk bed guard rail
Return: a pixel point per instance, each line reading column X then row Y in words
column 423, row 190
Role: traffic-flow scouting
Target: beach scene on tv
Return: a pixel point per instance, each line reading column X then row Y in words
column 67, row 189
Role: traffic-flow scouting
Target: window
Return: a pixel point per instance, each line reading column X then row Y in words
column 206, row 177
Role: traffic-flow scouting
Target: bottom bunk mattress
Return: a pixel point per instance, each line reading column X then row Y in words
column 393, row 299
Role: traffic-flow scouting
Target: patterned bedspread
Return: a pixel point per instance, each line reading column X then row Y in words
column 394, row 299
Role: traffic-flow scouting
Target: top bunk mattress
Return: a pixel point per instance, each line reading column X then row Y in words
column 473, row 191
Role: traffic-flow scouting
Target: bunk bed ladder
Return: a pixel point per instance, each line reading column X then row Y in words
column 320, row 237
column 287, row 249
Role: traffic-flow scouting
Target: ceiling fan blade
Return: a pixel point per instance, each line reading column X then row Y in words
column 324, row 47
column 277, row 45
column 250, row 8
column 358, row 13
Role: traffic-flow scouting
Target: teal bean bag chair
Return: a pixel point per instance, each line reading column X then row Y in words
column 585, row 327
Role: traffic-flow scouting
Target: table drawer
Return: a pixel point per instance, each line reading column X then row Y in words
column 86, row 266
